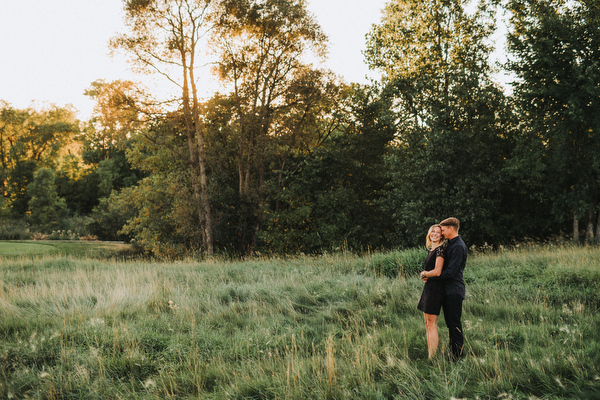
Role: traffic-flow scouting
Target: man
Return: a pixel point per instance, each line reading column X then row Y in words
column 454, row 286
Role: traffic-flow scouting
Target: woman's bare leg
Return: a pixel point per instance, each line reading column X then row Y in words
column 432, row 333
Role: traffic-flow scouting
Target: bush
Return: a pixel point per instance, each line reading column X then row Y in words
column 78, row 224
column 62, row 235
column 14, row 230
column 108, row 217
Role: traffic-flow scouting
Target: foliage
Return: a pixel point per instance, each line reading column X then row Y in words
column 110, row 215
column 555, row 47
column 331, row 196
column 11, row 229
column 289, row 160
column 163, row 206
column 76, row 184
column 106, row 139
column 454, row 125
column 31, row 139
column 159, row 211
column 165, row 37
column 47, row 209
column 241, row 217
column 276, row 95
column 117, row 117
column 304, row 327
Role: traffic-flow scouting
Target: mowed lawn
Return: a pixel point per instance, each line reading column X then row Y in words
column 25, row 249
column 65, row 247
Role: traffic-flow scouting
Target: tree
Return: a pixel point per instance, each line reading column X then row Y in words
column 332, row 196
column 47, row 209
column 117, row 114
column 453, row 121
column 111, row 215
column 32, row 139
column 96, row 162
column 556, row 48
column 167, row 213
column 261, row 47
column 165, row 36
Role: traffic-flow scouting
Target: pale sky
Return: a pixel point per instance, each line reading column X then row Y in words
column 51, row 50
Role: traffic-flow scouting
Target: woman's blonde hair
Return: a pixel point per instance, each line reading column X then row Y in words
column 428, row 242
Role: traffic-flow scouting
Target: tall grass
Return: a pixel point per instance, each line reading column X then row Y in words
column 330, row 327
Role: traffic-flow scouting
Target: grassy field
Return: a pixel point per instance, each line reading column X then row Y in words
column 62, row 247
column 331, row 327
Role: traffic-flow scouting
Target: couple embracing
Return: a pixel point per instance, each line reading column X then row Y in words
column 444, row 286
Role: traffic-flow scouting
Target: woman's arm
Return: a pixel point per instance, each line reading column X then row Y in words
column 439, row 264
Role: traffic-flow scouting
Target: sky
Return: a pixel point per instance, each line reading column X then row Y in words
column 51, row 51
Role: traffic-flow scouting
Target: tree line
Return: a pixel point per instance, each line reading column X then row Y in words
column 287, row 158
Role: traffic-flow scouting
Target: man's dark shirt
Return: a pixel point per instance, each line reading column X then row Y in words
column 454, row 264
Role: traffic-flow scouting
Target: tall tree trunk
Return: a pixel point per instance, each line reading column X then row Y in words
column 197, row 156
column 598, row 225
column 589, row 235
column 193, row 160
column 204, row 195
column 575, row 228
column 249, row 158
column 241, row 169
column 242, row 130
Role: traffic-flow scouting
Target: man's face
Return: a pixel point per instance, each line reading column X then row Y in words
column 447, row 231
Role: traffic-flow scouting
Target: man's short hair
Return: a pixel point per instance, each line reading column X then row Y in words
column 454, row 222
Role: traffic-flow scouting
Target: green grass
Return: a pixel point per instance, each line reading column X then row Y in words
column 332, row 327
column 21, row 248
column 62, row 247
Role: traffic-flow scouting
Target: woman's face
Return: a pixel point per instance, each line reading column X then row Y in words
column 435, row 235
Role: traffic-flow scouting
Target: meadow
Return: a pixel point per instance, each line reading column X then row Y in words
column 338, row 326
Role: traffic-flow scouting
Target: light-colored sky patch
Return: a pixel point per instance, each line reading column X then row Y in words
column 50, row 51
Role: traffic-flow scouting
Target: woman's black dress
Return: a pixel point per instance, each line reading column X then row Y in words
column 433, row 291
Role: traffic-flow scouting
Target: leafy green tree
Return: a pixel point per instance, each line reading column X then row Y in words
column 555, row 48
column 76, row 184
column 158, row 211
column 19, row 177
column 31, row 139
column 453, row 121
column 261, row 47
column 101, row 165
column 111, row 214
column 165, row 37
column 332, row 196
column 158, row 150
column 148, row 211
column 47, row 209
column 117, row 116
column 163, row 204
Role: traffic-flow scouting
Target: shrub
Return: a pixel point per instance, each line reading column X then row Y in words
column 63, row 235
column 14, row 230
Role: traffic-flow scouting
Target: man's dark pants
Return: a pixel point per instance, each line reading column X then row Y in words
column 452, row 307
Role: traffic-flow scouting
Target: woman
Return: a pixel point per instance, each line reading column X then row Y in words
column 433, row 291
